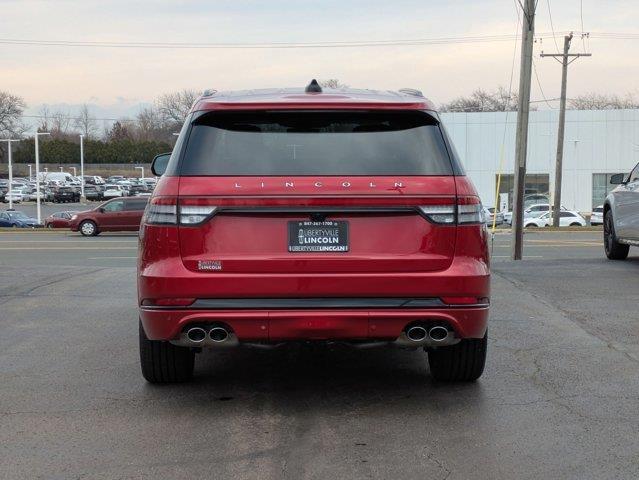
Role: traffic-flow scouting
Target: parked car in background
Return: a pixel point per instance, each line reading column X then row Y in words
column 121, row 214
column 66, row 195
column 566, row 219
column 59, row 220
column 489, row 213
column 12, row 218
column 115, row 178
column 621, row 215
column 93, row 180
column 137, row 189
column 112, row 191
column 16, row 196
column 93, row 192
column 597, row 215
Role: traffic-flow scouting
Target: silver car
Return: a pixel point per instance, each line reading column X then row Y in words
column 621, row 215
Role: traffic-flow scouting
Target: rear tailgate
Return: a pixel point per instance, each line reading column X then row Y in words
column 254, row 223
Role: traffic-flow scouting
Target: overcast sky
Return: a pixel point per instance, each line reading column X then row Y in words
column 118, row 80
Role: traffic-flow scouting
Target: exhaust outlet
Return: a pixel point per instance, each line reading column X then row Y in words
column 196, row 334
column 218, row 334
column 438, row 334
column 416, row 334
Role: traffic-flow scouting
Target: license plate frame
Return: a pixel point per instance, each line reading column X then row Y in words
column 328, row 236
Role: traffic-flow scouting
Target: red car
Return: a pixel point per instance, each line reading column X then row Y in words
column 119, row 214
column 310, row 215
column 59, row 220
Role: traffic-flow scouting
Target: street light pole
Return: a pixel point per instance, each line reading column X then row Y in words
column 82, row 197
column 141, row 171
column 10, row 171
column 37, row 168
column 30, row 174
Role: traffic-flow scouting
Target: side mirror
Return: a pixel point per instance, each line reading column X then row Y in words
column 617, row 179
column 159, row 164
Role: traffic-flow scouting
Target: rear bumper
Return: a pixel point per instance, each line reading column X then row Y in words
column 290, row 325
column 320, row 306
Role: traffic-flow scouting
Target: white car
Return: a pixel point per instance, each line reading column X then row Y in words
column 113, row 191
column 14, row 195
column 597, row 216
column 489, row 215
column 566, row 219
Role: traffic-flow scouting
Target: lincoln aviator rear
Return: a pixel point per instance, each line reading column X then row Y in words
column 310, row 215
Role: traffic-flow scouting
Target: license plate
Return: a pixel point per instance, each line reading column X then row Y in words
column 327, row 236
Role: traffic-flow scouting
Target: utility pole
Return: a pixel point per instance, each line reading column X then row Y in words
column 82, row 196
column 9, row 141
column 523, row 108
column 37, row 172
column 562, row 121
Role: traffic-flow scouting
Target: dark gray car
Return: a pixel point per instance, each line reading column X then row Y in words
column 621, row 215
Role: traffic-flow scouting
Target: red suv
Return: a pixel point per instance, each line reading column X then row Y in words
column 310, row 215
column 119, row 214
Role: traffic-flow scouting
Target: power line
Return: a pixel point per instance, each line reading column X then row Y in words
column 581, row 16
column 269, row 45
column 552, row 27
column 541, row 90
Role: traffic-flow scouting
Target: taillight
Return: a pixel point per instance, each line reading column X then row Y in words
column 161, row 211
column 194, row 214
column 439, row 213
column 196, row 210
column 468, row 210
column 470, row 214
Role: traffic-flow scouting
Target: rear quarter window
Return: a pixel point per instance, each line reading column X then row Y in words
column 137, row 204
column 316, row 143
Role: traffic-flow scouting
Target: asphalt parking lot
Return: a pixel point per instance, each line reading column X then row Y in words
column 558, row 398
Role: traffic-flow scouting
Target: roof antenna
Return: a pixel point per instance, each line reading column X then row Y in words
column 313, row 87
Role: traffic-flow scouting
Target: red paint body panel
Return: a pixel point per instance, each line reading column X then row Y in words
column 54, row 222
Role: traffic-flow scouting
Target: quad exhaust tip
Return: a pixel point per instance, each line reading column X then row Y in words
column 218, row 334
column 438, row 333
column 196, row 334
column 416, row 334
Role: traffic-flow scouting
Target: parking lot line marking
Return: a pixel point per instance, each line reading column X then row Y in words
column 537, row 245
column 525, row 256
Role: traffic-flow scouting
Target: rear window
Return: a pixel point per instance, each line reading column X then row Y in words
column 316, row 143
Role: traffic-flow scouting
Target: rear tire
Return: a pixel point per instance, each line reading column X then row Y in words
column 463, row 362
column 614, row 250
column 163, row 362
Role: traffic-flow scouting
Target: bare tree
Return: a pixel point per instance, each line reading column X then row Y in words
column 45, row 119
column 85, row 123
column 150, row 125
column 174, row 107
column 596, row 101
column 11, row 109
column 483, row 101
column 119, row 131
column 332, row 83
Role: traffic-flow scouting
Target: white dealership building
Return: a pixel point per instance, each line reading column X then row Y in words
column 598, row 143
